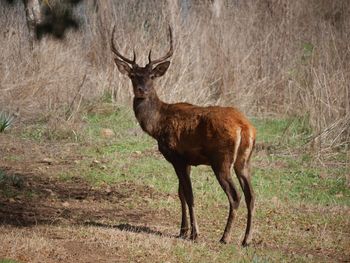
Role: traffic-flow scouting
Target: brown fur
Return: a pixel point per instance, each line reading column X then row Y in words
column 199, row 134
column 190, row 135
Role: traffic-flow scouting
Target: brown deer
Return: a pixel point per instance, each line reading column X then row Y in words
column 191, row 135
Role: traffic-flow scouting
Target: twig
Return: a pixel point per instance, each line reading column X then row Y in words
column 75, row 96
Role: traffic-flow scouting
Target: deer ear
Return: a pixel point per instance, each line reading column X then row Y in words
column 123, row 67
column 160, row 69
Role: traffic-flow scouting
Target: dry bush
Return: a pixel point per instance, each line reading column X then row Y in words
column 266, row 57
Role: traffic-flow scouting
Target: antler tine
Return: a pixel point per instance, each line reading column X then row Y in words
column 134, row 58
column 115, row 51
column 149, row 57
column 168, row 55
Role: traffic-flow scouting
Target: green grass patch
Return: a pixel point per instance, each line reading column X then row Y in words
column 155, row 172
column 13, row 185
column 6, row 120
column 119, row 120
column 289, row 132
column 43, row 131
column 11, row 179
column 13, row 158
column 303, row 185
column 34, row 132
column 297, row 180
column 127, row 156
column 7, row 260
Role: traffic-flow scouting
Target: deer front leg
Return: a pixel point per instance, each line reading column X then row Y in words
column 183, row 173
column 184, row 222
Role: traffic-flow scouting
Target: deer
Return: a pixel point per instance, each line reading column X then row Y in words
column 190, row 135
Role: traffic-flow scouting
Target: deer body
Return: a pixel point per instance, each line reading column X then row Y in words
column 199, row 135
column 190, row 135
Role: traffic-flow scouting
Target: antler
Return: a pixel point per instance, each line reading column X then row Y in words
column 168, row 55
column 115, row 51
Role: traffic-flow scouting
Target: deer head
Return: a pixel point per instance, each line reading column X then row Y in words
column 142, row 77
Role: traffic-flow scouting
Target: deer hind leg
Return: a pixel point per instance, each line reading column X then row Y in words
column 186, row 193
column 223, row 175
column 242, row 170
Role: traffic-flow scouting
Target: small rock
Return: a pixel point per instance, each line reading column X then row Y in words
column 12, row 200
column 138, row 152
column 49, row 191
column 108, row 190
column 322, row 175
column 275, row 201
column 65, row 204
column 49, row 161
column 106, row 133
column 340, row 195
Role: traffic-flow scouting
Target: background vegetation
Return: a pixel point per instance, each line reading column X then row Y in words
column 80, row 181
column 271, row 57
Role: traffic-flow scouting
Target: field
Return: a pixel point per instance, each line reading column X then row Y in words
column 81, row 182
column 84, row 197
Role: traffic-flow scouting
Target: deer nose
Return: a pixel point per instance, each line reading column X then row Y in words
column 141, row 88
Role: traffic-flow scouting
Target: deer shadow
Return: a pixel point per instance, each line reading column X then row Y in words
column 129, row 228
column 27, row 200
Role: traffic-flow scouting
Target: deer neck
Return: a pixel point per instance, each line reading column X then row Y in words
column 148, row 112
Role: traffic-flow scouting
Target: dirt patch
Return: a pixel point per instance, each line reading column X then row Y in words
column 30, row 200
column 31, row 193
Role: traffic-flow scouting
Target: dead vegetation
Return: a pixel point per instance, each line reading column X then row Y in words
column 270, row 57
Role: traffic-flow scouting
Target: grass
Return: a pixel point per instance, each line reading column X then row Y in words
column 6, row 121
column 132, row 156
column 302, row 186
column 140, row 248
column 290, row 132
column 14, row 179
column 289, row 178
column 6, row 260
column 301, row 205
column 129, row 157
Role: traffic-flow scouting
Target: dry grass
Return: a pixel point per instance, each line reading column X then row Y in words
column 75, row 243
column 266, row 57
column 109, row 245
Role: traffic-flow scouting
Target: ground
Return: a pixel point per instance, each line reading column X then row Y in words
column 76, row 194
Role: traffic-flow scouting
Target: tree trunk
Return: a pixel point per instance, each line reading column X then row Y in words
column 33, row 17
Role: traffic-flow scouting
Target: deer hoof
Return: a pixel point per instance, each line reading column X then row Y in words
column 245, row 243
column 182, row 235
column 224, row 241
column 194, row 236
